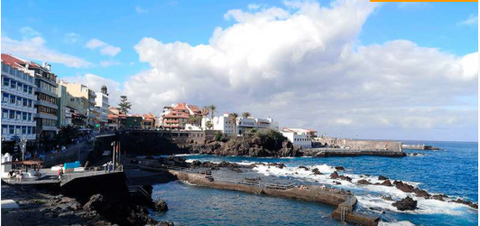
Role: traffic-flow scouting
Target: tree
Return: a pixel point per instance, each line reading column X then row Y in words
column 212, row 110
column 246, row 114
column 233, row 119
column 209, row 124
column 66, row 134
column 205, row 110
column 195, row 120
column 124, row 105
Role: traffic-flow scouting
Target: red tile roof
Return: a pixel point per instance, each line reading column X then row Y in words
column 13, row 61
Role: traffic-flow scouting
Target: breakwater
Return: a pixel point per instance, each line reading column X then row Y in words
column 344, row 201
column 338, row 152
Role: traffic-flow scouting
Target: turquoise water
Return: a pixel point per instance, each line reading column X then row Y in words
column 453, row 171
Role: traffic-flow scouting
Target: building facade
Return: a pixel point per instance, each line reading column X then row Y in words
column 299, row 137
column 101, row 105
column 225, row 124
column 64, row 115
column 82, row 91
column 18, row 98
column 176, row 116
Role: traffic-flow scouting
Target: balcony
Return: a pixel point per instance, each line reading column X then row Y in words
column 46, row 104
column 46, row 116
column 49, row 128
column 8, row 137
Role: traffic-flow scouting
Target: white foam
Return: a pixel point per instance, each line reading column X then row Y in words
column 425, row 206
column 396, row 223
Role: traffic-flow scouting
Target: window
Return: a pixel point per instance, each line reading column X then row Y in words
column 19, row 115
column 4, row 129
column 24, row 115
column 25, row 102
column 19, row 86
column 33, row 129
column 4, row 113
column 11, row 129
column 19, row 101
column 25, row 88
column 29, row 116
column 13, row 84
column 30, row 103
column 29, row 130
column 5, row 98
column 24, row 130
column 19, row 130
column 30, row 90
column 12, row 99
column 6, row 82
column 12, row 114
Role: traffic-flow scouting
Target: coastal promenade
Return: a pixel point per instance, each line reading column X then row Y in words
column 339, row 152
column 344, row 200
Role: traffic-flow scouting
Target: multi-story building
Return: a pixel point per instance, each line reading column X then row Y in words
column 148, row 121
column 299, row 137
column 45, row 91
column 115, row 119
column 225, row 124
column 18, row 98
column 176, row 117
column 82, row 91
column 101, row 104
column 64, row 114
column 77, row 110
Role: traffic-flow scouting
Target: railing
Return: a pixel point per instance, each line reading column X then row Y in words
column 87, row 172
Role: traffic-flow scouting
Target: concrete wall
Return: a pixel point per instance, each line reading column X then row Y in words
column 359, row 144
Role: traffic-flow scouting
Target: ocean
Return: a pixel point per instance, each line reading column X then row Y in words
column 453, row 171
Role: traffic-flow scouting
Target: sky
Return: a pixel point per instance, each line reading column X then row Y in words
column 345, row 68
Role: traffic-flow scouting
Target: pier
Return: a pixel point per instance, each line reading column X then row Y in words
column 345, row 201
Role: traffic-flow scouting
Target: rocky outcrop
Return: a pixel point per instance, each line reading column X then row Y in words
column 339, row 168
column 335, row 175
column 403, row 186
column 316, row 171
column 364, row 182
column 260, row 144
column 406, row 204
column 382, row 177
column 160, row 205
column 468, row 203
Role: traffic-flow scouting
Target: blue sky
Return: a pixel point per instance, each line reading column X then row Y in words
column 399, row 70
column 125, row 23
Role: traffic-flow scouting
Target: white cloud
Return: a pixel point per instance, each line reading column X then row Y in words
column 472, row 20
column 140, row 10
column 35, row 49
column 95, row 82
column 71, row 38
column 109, row 63
column 301, row 65
column 29, row 32
column 105, row 49
column 253, row 6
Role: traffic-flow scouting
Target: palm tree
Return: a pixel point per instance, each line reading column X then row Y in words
column 233, row 119
column 209, row 124
column 205, row 110
column 246, row 114
column 66, row 134
column 212, row 110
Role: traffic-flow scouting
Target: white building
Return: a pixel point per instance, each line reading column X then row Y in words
column 18, row 100
column 101, row 104
column 299, row 137
column 224, row 123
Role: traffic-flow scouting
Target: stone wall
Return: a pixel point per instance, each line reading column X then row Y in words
column 372, row 145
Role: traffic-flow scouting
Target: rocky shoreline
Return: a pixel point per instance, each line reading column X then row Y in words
column 44, row 207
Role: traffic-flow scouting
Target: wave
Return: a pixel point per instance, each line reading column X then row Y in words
column 396, row 223
column 369, row 196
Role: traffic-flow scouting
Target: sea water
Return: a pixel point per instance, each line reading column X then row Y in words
column 453, row 171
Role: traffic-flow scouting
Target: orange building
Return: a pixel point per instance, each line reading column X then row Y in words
column 178, row 116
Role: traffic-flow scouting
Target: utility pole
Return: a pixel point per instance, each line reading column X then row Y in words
column 114, row 144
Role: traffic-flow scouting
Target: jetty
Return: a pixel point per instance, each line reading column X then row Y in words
column 340, row 152
column 419, row 147
column 345, row 201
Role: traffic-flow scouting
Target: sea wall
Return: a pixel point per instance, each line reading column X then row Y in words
column 372, row 145
column 345, row 202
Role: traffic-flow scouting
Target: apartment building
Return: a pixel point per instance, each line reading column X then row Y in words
column 82, row 91
column 18, row 98
column 241, row 125
column 176, row 116
column 299, row 137
column 45, row 90
column 101, row 105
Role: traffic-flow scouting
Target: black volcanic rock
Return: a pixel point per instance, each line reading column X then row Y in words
column 339, row 168
column 382, row 177
column 406, row 204
column 160, row 205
